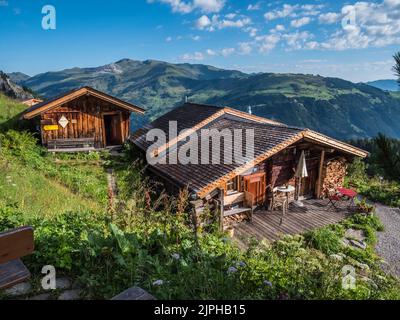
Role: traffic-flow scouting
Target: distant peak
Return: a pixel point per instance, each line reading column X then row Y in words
column 124, row 61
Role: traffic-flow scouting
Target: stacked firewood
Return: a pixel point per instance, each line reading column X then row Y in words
column 334, row 174
column 235, row 219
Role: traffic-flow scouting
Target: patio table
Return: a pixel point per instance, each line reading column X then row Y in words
column 286, row 190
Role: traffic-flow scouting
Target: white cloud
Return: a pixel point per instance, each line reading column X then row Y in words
column 372, row 24
column 168, row 39
column 300, row 22
column 251, row 31
column 183, row 6
column 245, row 48
column 392, row 3
column 329, row 18
column 197, row 56
column 196, row 38
column 209, row 6
column 205, row 23
column 280, row 27
column 268, row 42
column 230, row 15
column 293, row 11
column 240, row 23
column 211, row 52
column 254, row 7
column 286, row 11
column 311, row 9
column 227, row 52
column 176, row 5
column 297, row 40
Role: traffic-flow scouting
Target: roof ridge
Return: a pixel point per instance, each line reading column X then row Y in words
column 251, row 116
column 274, row 125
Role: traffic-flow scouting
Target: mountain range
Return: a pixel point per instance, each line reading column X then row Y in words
column 13, row 90
column 336, row 107
column 388, row 85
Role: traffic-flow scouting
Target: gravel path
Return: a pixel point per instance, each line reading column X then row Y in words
column 388, row 246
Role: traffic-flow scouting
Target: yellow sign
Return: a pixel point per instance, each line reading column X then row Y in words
column 51, row 128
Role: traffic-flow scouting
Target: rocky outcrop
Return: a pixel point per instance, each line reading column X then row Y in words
column 13, row 90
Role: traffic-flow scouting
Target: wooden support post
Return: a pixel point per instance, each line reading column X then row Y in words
column 221, row 209
column 320, row 174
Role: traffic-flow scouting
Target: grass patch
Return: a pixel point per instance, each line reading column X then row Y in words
column 36, row 195
column 87, row 180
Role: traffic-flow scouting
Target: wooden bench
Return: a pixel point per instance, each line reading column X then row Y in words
column 81, row 144
column 14, row 245
column 245, row 198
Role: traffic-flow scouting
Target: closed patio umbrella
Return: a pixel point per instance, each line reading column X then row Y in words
column 301, row 172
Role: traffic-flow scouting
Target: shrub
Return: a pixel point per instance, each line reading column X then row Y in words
column 326, row 239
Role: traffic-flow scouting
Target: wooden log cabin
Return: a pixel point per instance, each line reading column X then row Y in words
column 82, row 120
column 240, row 188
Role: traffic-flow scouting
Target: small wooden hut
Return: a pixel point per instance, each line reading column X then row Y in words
column 82, row 120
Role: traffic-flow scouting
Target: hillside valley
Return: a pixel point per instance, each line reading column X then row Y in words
column 333, row 106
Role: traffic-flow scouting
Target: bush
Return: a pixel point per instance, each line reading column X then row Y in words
column 327, row 240
column 374, row 188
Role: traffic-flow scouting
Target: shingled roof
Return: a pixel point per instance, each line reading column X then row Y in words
column 270, row 137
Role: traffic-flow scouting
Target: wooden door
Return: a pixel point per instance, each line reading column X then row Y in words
column 112, row 129
column 255, row 184
column 308, row 185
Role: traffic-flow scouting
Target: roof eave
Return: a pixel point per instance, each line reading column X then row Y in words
column 77, row 94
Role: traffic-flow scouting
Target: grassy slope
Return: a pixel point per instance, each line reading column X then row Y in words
column 36, row 195
column 9, row 109
column 57, row 188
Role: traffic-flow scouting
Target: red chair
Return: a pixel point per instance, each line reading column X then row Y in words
column 333, row 200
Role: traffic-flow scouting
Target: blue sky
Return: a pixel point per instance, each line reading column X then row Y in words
column 252, row 36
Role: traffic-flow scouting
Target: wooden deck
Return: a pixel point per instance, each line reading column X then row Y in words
column 266, row 225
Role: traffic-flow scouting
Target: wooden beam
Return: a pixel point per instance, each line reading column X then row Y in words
column 318, row 137
column 221, row 209
column 320, row 174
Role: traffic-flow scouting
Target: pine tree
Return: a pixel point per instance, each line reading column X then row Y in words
column 387, row 156
column 396, row 67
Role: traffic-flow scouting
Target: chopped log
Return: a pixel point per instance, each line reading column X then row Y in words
column 333, row 175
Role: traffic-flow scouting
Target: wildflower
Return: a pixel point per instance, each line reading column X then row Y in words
column 267, row 283
column 176, row 256
column 158, row 283
column 232, row 270
column 241, row 264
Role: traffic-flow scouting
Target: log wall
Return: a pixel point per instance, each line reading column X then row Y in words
column 85, row 116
